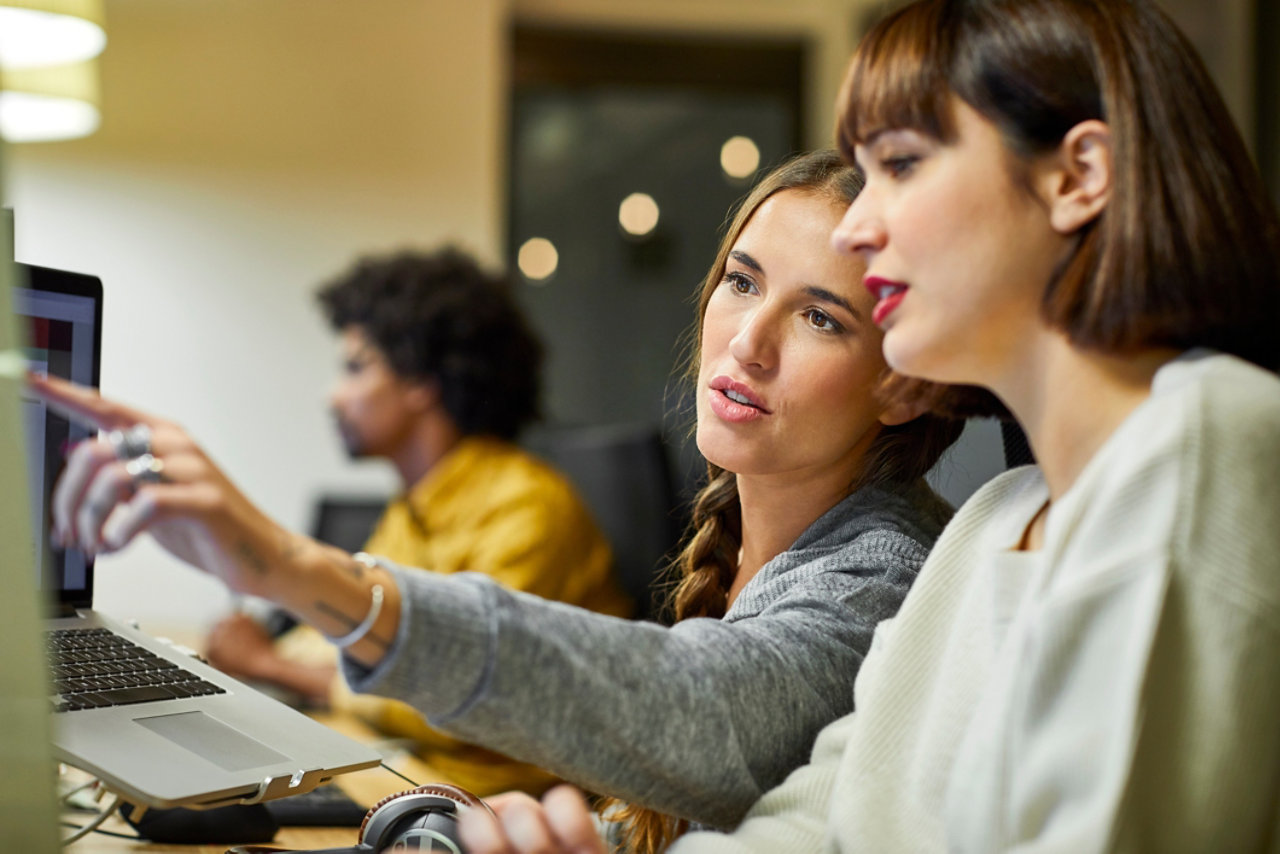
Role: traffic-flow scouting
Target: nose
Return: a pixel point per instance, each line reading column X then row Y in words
column 337, row 395
column 755, row 345
column 860, row 231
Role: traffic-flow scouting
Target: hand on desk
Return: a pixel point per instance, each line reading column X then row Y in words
column 561, row 824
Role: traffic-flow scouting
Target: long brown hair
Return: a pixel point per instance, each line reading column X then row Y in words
column 706, row 565
column 1187, row 251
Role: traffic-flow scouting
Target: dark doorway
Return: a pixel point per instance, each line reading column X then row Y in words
column 595, row 118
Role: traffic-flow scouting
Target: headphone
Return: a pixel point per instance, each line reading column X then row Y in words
column 423, row 819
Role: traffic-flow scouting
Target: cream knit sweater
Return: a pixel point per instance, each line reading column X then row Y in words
column 1117, row 690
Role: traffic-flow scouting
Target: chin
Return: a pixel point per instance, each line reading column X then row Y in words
column 908, row 359
column 714, row 451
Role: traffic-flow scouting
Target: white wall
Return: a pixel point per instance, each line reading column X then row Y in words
column 248, row 151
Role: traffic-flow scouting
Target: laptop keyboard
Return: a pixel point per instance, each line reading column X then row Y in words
column 94, row 668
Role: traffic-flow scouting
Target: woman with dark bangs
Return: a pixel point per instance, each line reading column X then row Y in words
column 1059, row 210
column 813, row 525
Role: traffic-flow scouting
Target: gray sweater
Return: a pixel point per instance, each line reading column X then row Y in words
column 697, row 720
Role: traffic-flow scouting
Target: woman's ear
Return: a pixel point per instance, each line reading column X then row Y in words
column 1077, row 181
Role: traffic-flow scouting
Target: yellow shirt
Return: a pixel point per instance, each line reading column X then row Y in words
column 488, row 506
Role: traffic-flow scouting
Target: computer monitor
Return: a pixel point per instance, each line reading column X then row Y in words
column 61, row 314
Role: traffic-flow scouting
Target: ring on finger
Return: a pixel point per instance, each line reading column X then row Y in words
column 146, row 469
column 131, row 443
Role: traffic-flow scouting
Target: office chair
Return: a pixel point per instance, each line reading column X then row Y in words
column 623, row 474
column 346, row 521
column 1017, row 450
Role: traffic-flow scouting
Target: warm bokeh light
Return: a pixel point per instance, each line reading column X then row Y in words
column 739, row 157
column 538, row 259
column 638, row 214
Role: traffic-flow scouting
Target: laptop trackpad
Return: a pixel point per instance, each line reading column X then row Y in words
column 211, row 739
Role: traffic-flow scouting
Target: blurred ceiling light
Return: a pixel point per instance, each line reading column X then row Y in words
column 638, row 214
column 46, row 104
column 538, row 259
column 49, row 32
column 739, row 157
column 48, row 72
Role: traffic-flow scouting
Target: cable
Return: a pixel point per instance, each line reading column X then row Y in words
column 398, row 774
column 135, row 837
column 93, row 825
column 71, row 793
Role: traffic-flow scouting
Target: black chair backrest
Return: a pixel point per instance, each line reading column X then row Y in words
column 623, row 474
column 1017, row 451
column 346, row 521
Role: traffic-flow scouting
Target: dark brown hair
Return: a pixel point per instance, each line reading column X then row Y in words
column 1187, row 251
column 708, row 561
column 439, row 315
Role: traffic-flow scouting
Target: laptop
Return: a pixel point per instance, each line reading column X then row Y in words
column 156, row 725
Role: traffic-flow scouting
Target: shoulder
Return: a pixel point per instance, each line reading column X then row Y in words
column 882, row 513
column 1227, row 468
column 1190, row 483
column 1229, row 401
column 1210, row 417
column 507, row 473
column 877, row 539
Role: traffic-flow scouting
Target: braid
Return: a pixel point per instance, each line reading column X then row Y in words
column 708, row 562
column 706, row 567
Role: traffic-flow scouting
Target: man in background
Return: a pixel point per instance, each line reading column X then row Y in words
column 440, row 373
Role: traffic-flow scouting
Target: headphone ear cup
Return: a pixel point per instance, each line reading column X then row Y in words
column 430, row 811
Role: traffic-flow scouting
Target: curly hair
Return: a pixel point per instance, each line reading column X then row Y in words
column 439, row 316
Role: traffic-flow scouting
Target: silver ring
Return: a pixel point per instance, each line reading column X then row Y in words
column 146, row 469
column 131, row 443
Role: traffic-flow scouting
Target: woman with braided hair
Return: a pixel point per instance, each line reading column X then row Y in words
column 813, row 525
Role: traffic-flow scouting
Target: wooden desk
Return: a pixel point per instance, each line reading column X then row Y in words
column 366, row 787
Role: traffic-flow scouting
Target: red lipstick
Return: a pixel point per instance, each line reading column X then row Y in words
column 888, row 295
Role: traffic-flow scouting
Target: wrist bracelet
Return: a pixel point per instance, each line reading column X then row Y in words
column 375, row 609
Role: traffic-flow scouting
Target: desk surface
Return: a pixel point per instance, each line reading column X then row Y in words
column 366, row 787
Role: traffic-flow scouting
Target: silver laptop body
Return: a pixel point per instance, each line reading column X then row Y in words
column 227, row 744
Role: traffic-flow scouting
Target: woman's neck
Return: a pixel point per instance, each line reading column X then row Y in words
column 775, row 512
column 1069, row 401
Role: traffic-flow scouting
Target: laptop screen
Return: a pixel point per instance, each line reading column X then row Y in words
column 60, row 319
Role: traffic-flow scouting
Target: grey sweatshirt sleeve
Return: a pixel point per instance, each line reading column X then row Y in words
column 697, row 720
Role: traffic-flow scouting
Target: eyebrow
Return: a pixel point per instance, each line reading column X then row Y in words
column 746, row 260
column 827, row 296
column 812, row 290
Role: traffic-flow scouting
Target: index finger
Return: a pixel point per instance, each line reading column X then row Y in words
column 84, row 405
